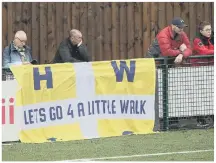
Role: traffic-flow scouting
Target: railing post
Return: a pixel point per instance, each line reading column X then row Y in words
column 165, row 94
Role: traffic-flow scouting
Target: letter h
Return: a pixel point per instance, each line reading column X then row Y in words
column 47, row 76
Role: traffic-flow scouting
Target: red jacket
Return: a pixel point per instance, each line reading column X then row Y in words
column 169, row 45
column 203, row 46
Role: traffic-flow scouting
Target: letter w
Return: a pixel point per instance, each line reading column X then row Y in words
column 38, row 78
column 120, row 72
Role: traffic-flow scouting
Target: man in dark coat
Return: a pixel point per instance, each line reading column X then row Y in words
column 72, row 49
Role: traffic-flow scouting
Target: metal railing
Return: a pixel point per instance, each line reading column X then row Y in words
column 7, row 74
column 185, row 92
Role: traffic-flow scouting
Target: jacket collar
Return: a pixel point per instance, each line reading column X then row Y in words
column 69, row 42
column 12, row 46
column 171, row 32
column 205, row 40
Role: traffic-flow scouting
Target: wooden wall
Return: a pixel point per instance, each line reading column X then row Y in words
column 116, row 30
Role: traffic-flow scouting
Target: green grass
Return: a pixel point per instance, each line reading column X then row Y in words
column 119, row 146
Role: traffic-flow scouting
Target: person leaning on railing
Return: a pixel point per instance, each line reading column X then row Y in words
column 203, row 44
column 17, row 52
column 171, row 41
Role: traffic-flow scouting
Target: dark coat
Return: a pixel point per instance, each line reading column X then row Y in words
column 67, row 52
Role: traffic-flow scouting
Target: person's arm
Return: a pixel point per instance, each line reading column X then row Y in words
column 200, row 48
column 64, row 52
column 6, row 58
column 83, row 52
column 187, row 52
column 165, row 47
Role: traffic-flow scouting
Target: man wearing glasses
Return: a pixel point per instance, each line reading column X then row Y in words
column 203, row 44
column 72, row 49
column 171, row 41
column 17, row 52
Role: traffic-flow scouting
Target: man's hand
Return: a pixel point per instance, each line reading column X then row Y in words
column 183, row 47
column 79, row 43
column 179, row 59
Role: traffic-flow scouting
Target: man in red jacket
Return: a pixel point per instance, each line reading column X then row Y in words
column 171, row 41
column 203, row 44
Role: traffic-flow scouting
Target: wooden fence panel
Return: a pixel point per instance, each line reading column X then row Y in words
column 4, row 25
column 75, row 15
column 207, row 11
column 107, row 31
column 118, row 56
column 99, row 46
column 116, row 30
column 153, row 21
column 177, row 9
column 10, row 22
column 51, row 31
column 43, row 33
column 26, row 21
column 36, row 31
column 130, row 30
column 18, row 16
column 146, row 27
column 184, row 9
column 199, row 15
column 212, row 15
column 67, row 19
column 138, row 50
column 123, row 30
column 192, row 22
column 83, row 20
column 169, row 12
column 161, row 16
column 59, row 23
column 91, row 30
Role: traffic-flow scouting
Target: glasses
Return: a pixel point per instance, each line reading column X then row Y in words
column 22, row 41
column 207, row 30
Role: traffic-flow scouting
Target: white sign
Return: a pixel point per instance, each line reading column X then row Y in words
column 10, row 114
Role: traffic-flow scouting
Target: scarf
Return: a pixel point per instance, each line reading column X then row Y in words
column 22, row 52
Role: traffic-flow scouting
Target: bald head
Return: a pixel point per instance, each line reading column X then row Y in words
column 20, row 38
column 75, row 33
column 21, row 34
column 75, row 36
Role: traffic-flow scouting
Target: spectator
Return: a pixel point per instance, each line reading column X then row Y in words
column 171, row 41
column 17, row 52
column 72, row 49
column 203, row 44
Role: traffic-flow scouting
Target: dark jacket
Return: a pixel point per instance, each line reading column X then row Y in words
column 11, row 56
column 167, row 43
column 71, row 53
column 203, row 46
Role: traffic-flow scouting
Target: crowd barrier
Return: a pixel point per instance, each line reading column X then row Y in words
column 186, row 92
column 183, row 97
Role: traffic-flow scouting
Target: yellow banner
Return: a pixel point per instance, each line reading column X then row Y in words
column 61, row 102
